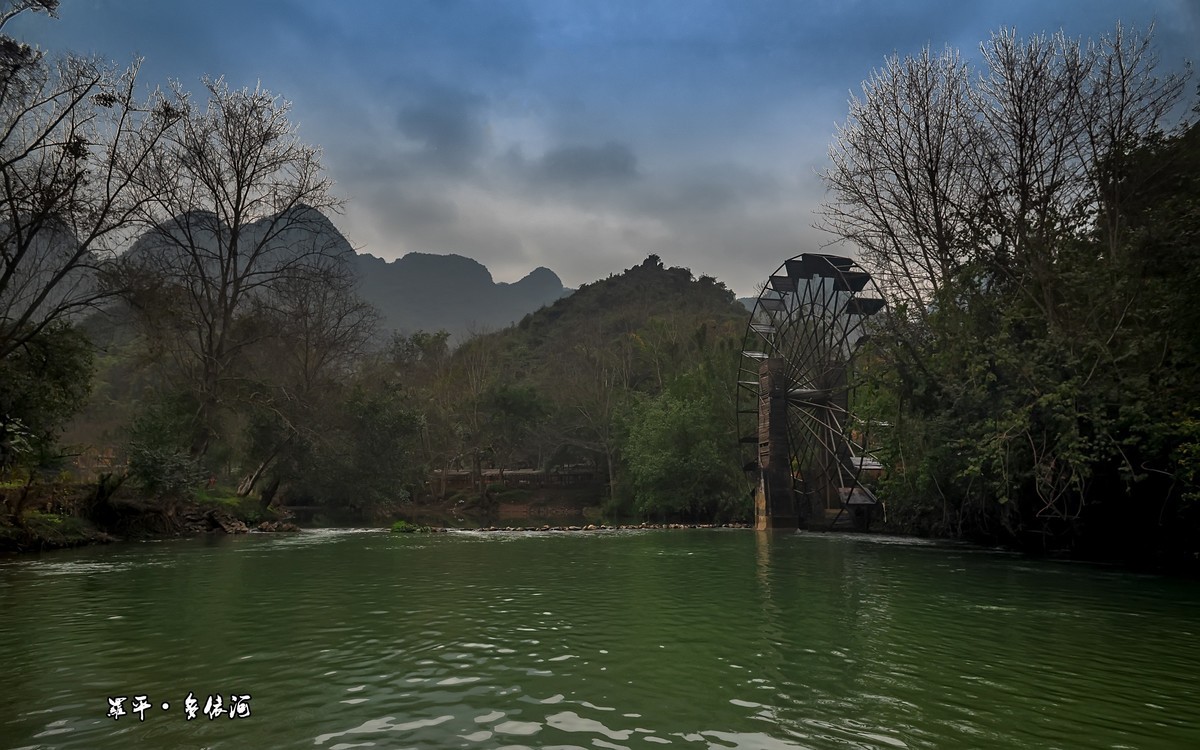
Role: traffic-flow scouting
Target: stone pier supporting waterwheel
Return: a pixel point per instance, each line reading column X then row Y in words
column 774, row 501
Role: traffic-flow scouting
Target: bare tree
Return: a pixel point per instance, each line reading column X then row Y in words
column 935, row 169
column 72, row 136
column 589, row 384
column 233, row 199
column 323, row 327
column 315, row 331
column 1126, row 104
column 899, row 180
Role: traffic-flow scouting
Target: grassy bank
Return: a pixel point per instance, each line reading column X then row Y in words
column 37, row 517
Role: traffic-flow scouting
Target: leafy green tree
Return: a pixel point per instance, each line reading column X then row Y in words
column 678, row 453
column 512, row 414
column 419, row 366
column 422, row 355
column 586, row 360
column 373, row 456
column 43, row 382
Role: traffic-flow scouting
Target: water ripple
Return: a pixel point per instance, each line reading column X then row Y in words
column 715, row 639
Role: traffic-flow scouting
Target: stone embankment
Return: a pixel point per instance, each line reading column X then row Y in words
column 196, row 521
column 277, row 526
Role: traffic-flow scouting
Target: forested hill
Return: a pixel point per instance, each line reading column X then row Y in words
column 647, row 296
column 630, row 375
column 627, row 379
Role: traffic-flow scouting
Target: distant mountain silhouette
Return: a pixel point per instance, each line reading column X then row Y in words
column 422, row 291
column 30, row 271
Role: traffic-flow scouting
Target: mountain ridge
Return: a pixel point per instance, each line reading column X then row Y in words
column 418, row 291
column 411, row 292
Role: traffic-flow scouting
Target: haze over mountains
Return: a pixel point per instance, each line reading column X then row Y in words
column 420, row 291
column 429, row 292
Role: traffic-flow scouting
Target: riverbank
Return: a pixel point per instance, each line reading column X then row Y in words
column 39, row 531
column 52, row 516
column 41, row 517
column 58, row 516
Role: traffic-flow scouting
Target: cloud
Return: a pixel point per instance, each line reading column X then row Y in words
column 704, row 189
column 447, row 124
column 582, row 165
column 578, row 136
column 419, row 209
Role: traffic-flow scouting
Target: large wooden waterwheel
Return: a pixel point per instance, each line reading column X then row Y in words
column 806, row 450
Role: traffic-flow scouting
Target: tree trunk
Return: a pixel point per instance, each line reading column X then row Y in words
column 268, row 494
column 22, row 499
column 612, row 476
column 477, row 474
column 246, row 486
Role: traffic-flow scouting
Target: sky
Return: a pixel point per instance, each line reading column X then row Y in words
column 577, row 135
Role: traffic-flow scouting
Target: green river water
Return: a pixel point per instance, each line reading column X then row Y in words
column 631, row 639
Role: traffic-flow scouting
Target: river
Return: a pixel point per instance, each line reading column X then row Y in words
column 631, row 639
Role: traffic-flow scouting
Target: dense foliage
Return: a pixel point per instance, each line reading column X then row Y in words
column 1036, row 231
column 676, row 450
column 46, row 381
column 583, row 383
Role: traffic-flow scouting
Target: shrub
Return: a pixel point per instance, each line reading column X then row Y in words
column 404, row 527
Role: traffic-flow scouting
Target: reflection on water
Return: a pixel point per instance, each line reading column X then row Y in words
column 703, row 638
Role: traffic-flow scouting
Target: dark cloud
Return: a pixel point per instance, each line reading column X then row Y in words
column 448, row 124
column 611, row 163
column 578, row 136
column 418, row 209
column 706, row 189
